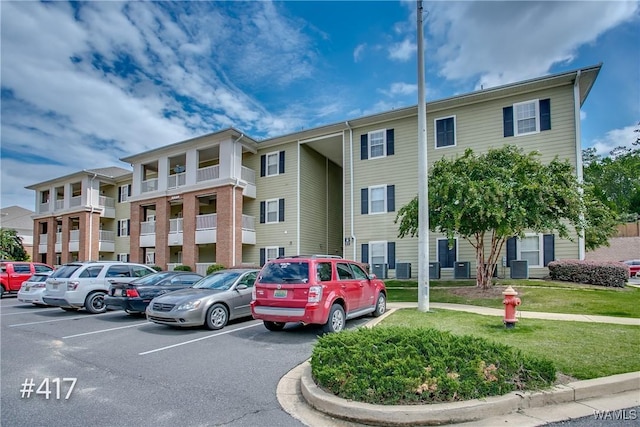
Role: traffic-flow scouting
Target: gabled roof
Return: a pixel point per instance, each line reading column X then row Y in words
column 110, row 174
column 17, row 218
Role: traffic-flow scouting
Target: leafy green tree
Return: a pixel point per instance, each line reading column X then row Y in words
column 11, row 245
column 488, row 198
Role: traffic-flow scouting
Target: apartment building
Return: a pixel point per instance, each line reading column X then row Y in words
column 229, row 199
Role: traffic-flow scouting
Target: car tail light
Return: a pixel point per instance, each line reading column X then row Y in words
column 71, row 286
column 315, row 294
column 39, row 285
column 132, row 293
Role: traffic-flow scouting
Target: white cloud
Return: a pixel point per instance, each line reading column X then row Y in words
column 615, row 138
column 358, row 52
column 400, row 88
column 402, row 51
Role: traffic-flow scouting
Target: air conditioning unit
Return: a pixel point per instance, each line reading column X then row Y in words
column 403, row 270
column 434, row 270
column 519, row 269
column 462, row 270
column 380, row 270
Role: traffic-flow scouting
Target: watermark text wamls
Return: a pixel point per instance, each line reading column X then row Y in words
column 616, row 415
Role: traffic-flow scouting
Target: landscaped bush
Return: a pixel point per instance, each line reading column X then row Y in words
column 214, row 267
column 156, row 267
column 594, row 273
column 182, row 268
column 396, row 365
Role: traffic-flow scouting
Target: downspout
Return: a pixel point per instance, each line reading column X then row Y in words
column 352, row 236
column 579, row 173
column 90, row 195
column 233, row 202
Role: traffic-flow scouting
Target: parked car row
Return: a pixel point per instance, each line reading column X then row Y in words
column 316, row 289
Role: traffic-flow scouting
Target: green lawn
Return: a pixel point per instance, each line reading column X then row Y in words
column 536, row 295
column 581, row 350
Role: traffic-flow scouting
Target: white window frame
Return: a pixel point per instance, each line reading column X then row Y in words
column 536, row 116
column 372, row 246
column 268, row 249
column 124, row 193
column 435, row 132
column 150, row 257
column 268, row 156
column 384, row 199
column 123, row 257
column 540, row 238
column 123, row 226
column 151, row 218
column 370, row 137
column 457, row 246
column 267, row 203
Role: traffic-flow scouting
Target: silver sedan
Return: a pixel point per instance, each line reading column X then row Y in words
column 212, row 301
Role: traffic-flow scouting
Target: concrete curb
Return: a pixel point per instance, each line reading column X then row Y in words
column 458, row 412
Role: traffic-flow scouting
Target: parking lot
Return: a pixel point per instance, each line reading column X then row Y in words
column 127, row 371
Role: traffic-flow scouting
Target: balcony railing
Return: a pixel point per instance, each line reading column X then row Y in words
column 43, row 239
column 107, row 236
column 248, row 175
column 248, row 222
column 208, row 173
column 175, row 225
column 177, row 180
column 201, row 267
column 150, row 185
column 75, row 201
column 59, row 204
column 74, row 236
column 43, row 207
column 108, row 202
column 148, row 227
column 206, row 221
column 59, row 237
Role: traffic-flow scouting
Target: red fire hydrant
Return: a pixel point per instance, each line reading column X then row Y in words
column 511, row 301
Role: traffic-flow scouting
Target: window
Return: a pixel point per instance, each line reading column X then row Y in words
column 123, row 227
column 447, row 256
column 272, row 211
column 272, row 253
column 525, row 118
column 378, row 143
column 118, row 271
column 42, row 268
column 21, row 268
column 272, row 164
column 358, row 272
column 123, row 257
column 324, row 271
column 537, row 249
column 150, row 257
column 378, row 252
column 124, row 192
column 269, row 253
column 92, row 271
column 344, row 271
column 530, row 250
column 445, row 132
column 378, row 199
column 381, row 253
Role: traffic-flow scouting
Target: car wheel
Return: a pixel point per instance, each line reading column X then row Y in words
column 70, row 308
column 217, row 317
column 95, row 303
column 381, row 305
column 2, row 291
column 274, row 326
column 336, row 320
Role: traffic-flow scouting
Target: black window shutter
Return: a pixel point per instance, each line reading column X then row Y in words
column 365, row 253
column 390, row 142
column 452, row 253
column 364, row 147
column 443, row 253
column 281, row 166
column 128, row 189
column 548, row 243
column 364, row 202
column 262, row 212
column 545, row 114
column 281, row 251
column 391, row 198
column 507, row 119
column 128, row 258
column 119, row 195
column 440, row 136
column 391, row 254
column 263, row 165
column 118, row 228
column 263, row 257
column 281, row 210
column 512, row 254
column 128, row 227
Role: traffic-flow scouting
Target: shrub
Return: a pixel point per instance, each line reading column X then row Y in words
column 182, row 268
column 594, row 273
column 214, row 267
column 396, row 365
column 156, row 267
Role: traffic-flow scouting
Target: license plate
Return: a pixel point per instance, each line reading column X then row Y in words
column 54, row 287
column 280, row 293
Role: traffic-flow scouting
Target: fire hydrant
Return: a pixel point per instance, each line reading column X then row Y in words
column 511, row 301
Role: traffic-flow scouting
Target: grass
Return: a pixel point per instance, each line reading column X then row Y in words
column 536, row 295
column 580, row 350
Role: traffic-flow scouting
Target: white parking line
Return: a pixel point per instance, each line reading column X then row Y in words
column 60, row 320
column 30, row 311
column 104, row 330
column 198, row 339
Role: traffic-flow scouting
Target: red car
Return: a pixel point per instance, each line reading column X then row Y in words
column 634, row 267
column 316, row 289
column 13, row 273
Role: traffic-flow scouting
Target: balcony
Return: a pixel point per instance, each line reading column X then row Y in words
column 59, row 242
column 175, row 232
column 149, row 185
column 74, row 240
column 75, row 201
column 248, row 230
column 148, row 234
column 107, row 241
column 108, row 204
column 209, row 173
column 176, row 180
column 59, row 204
column 43, row 207
column 42, row 245
column 206, row 228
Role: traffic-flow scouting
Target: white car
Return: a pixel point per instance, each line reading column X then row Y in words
column 84, row 284
column 32, row 289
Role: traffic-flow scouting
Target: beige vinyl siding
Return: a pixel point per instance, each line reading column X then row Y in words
column 282, row 186
column 123, row 211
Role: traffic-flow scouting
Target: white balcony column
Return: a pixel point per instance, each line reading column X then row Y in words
column 191, row 167
column 163, row 173
column 136, row 185
column 67, row 195
column 90, row 191
column 227, row 160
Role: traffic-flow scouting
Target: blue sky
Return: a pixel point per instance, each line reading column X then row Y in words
column 84, row 84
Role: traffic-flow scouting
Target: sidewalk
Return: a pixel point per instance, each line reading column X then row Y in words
column 302, row 399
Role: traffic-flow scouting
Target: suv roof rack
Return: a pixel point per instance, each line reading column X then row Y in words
column 311, row 256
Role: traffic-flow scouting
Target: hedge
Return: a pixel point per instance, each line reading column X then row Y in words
column 610, row 274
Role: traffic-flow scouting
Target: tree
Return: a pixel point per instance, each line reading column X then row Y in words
column 489, row 198
column 11, row 245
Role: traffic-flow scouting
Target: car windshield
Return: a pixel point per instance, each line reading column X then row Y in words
column 152, row 279
column 65, row 271
column 221, row 280
column 285, row 272
column 38, row 278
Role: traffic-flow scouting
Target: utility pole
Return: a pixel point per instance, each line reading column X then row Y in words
column 423, row 192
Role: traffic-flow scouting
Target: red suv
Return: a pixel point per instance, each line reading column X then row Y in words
column 13, row 273
column 316, row 289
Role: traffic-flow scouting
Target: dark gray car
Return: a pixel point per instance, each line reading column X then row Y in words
column 212, row 301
